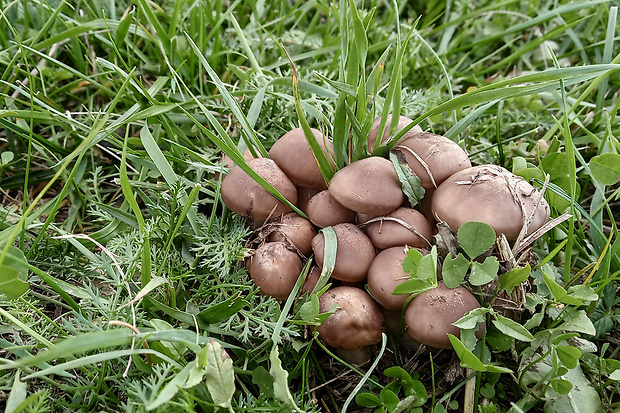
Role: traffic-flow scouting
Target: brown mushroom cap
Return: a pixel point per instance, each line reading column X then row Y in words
column 325, row 211
column 275, row 269
column 354, row 253
column 369, row 186
column 399, row 227
column 385, row 273
column 429, row 316
column 296, row 229
column 311, row 280
column 489, row 194
column 293, row 154
column 357, row 322
column 303, row 197
column 427, row 152
column 245, row 196
column 374, row 130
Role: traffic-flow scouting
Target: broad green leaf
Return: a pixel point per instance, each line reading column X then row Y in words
column 427, row 268
column 367, row 399
column 513, row 278
column 615, row 375
column 558, row 292
column 409, row 182
column 411, row 261
column 468, row 359
column 482, row 273
column 454, row 270
column 605, row 168
column 389, row 399
column 568, row 355
column 15, row 258
column 10, row 283
column 579, row 322
column 222, row 311
column 471, row 319
column 414, row 287
column 512, row 329
column 123, row 28
column 280, row 379
column 262, row 378
column 561, row 386
column 398, row 372
column 583, row 292
column 219, row 374
column 17, row 395
column 476, row 238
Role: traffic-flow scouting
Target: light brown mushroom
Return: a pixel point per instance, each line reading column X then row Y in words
column 325, row 211
column 275, row 269
column 246, row 197
column 293, row 228
column 369, row 186
column 493, row 195
column 433, row 158
column 293, row 155
column 429, row 316
column 358, row 320
column 354, row 253
column 403, row 226
column 386, row 273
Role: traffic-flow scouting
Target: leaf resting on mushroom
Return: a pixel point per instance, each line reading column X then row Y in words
column 409, row 182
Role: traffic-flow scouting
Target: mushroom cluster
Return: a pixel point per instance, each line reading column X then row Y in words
column 375, row 226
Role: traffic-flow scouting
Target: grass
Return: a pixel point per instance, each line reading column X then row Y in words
column 119, row 261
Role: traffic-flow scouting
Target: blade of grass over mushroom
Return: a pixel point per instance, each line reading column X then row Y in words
column 277, row 331
column 329, row 258
column 323, row 163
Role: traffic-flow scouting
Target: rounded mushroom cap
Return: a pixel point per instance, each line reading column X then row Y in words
column 403, row 226
column 293, row 154
column 369, row 186
column 296, row 229
column 427, row 152
column 325, row 211
column 275, row 269
column 385, row 273
column 354, row 253
column 489, row 194
column 246, row 197
column 304, row 195
column 429, row 316
column 374, row 129
column 357, row 322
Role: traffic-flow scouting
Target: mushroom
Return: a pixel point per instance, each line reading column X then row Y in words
column 311, row 280
column 403, row 226
column 385, row 273
column 358, row 320
column 493, row 195
column 369, row 186
column 275, row 269
column 354, row 253
column 374, row 130
column 293, row 154
column 429, row 316
column 324, row 211
column 303, row 197
column 293, row 228
column 433, row 158
column 246, row 197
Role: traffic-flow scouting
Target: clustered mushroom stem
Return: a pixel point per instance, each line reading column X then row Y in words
column 424, row 164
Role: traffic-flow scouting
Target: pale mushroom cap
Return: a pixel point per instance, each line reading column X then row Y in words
column 325, row 211
column 385, row 273
column 246, row 197
column 293, row 155
column 357, row 322
column 403, row 226
column 275, row 269
column 354, row 253
column 374, row 130
column 369, row 186
column 427, row 152
column 492, row 195
column 429, row 316
column 296, row 229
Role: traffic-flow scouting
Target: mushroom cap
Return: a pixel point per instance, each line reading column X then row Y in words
column 311, row 280
column 296, row 229
column 369, row 186
column 389, row 232
column 354, row 253
column 374, row 129
column 489, row 194
column 325, row 211
column 441, row 156
column 357, row 322
column 275, row 269
column 429, row 316
column 385, row 273
column 303, row 197
column 246, row 197
column 293, row 155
